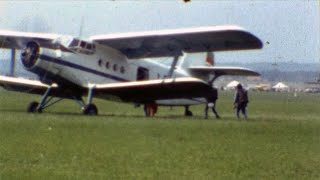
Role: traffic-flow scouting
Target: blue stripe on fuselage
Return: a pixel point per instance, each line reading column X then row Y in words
column 79, row 67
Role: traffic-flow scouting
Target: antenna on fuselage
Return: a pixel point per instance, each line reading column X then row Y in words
column 81, row 27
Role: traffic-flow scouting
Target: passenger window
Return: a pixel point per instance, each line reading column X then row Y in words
column 115, row 67
column 107, row 64
column 122, row 70
column 100, row 62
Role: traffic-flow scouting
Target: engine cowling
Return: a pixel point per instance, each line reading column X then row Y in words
column 30, row 55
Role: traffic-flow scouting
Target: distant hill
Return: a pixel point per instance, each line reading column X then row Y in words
column 282, row 66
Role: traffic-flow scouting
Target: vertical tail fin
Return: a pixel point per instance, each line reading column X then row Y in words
column 210, row 59
column 197, row 59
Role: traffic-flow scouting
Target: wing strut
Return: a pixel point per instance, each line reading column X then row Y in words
column 213, row 79
column 173, row 65
column 12, row 62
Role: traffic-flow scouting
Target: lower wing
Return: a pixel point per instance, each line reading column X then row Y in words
column 151, row 90
column 37, row 87
column 136, row 91
column 23, row 85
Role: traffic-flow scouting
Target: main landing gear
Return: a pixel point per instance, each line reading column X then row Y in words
column 90, row 109
column 46, row 101
column 33, row 107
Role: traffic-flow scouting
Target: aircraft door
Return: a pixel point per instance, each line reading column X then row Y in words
column 142, row 74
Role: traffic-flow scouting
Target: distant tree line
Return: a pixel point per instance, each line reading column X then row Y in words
column 289, row 76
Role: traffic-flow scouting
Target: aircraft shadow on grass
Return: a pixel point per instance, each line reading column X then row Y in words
column 126, row 116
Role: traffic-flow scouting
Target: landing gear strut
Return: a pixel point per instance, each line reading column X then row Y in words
column 46, row 101
column 187, row 112
column 90, row 109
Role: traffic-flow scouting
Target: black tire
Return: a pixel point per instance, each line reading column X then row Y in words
column 90, row 109
column 188, row 113
column 32, row 107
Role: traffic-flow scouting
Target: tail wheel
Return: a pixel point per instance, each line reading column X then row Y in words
column 188, row 113
column 90, row 109
column 32, row 107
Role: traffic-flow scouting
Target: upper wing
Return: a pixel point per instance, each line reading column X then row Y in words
column 173, row 42
column 146, row 91
column 220, row 71
column 17, row 40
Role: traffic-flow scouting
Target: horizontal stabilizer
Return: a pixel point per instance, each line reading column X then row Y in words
column 221, row 71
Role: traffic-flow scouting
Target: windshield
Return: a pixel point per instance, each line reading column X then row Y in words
column 82, row 46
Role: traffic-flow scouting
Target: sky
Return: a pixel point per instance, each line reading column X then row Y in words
column 289, row 29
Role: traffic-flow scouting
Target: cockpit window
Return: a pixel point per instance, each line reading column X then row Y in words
column 82, row 46
column 89, row 46
column 74, row 43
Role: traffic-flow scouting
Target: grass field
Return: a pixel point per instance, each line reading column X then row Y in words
column 281, row 140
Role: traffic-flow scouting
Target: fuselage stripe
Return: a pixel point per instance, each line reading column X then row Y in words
column 79, row 67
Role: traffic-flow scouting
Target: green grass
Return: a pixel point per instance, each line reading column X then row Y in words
column 281, row 140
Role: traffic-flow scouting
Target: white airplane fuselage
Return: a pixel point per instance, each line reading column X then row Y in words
column 114, row 66
column 104, row 65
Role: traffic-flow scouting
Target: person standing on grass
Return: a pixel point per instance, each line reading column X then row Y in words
column 241, row 101
column 150, row 109
column 211, row 98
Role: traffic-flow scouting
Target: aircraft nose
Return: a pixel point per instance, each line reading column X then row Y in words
column 30, row 55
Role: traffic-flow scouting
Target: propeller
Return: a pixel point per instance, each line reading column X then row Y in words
column 30, row 54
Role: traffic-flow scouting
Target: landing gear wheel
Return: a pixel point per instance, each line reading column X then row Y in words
column 90, row 109
column 188, row 113
column 32, row 107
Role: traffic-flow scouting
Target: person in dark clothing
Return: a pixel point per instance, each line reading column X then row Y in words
column 150, row 109
column 241, row 101
column 211, row 99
